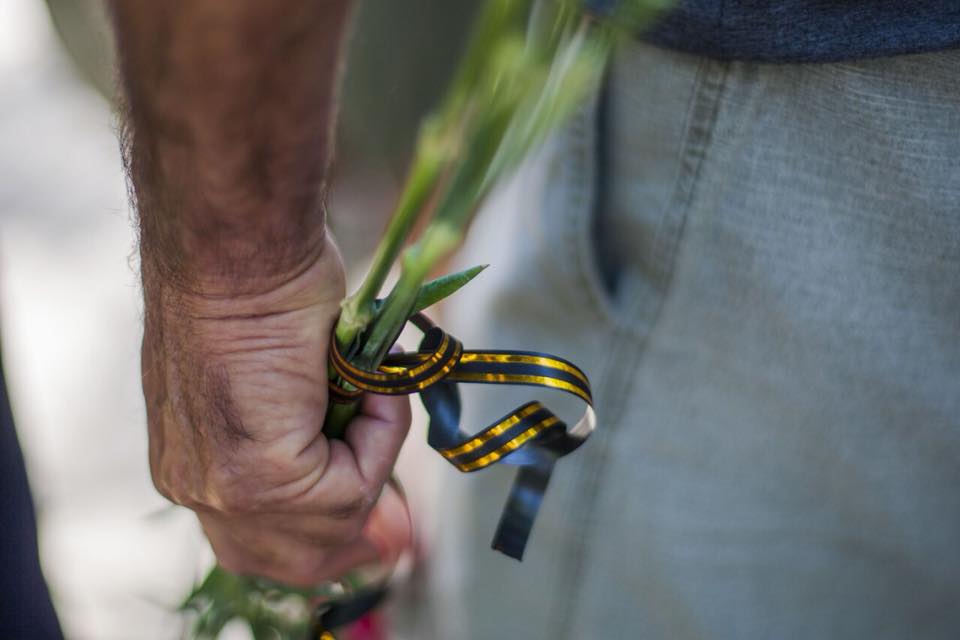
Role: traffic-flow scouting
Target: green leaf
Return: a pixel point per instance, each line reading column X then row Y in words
column 432, row 292
column 436, row 290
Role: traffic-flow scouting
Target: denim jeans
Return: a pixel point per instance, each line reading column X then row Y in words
column 758, row 266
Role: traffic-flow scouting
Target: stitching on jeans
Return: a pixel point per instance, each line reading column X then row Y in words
column 646, row 309
column 712, row 79
column 638, row 319
column 627, row 346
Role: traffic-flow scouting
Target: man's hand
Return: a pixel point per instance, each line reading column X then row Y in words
column 236, row 392
column 228, row 135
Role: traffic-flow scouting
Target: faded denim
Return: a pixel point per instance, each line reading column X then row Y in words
column 777, row 366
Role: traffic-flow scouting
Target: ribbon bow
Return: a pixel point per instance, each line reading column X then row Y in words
column 530, row 437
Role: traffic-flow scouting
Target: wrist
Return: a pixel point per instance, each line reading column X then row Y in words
column 226, row 266
column 259, row 290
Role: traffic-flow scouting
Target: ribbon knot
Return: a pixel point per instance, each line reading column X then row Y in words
column 531, row 436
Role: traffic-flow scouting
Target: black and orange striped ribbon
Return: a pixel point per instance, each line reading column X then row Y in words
column 532, row 429
column 530, row 437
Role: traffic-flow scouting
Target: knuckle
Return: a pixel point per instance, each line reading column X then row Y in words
column 351, row 506
column 330, row 534
column 161, row 476
column 231, row 499
column 163, row 488
column 346, row 510
column 352, row 528
column 231, row 493
column 175, row 493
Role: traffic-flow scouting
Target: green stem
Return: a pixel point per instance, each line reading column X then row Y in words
column 437, row 242
column 358, row 309
column 337, row 418
column 339, row 415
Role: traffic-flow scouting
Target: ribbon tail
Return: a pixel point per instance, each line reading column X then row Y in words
column 520, row 512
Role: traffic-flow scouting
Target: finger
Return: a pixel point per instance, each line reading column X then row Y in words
column 242, row 545
column 390, row 527
column 392, row 409
column 236, row 555
column 318, row 530
column 306, row 567
column 249, row 550
column 376, row 435
column 386, row 536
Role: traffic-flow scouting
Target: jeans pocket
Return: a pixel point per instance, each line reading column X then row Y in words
column 631, row 163
column 568, row 218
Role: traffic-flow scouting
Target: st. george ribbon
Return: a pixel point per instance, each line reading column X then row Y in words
column 530, row 437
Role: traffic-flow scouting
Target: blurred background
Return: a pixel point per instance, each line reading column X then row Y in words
column 118, row 558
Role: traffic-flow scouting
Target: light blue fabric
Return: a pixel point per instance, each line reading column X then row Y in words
column 777, row 371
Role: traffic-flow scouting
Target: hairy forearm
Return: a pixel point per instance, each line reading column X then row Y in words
column 228, row 134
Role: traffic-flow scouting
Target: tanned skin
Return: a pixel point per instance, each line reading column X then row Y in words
column 228, row 134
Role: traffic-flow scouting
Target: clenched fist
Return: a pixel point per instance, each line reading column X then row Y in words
column 236, row 391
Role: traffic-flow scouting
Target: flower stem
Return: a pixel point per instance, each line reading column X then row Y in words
column 359, row 309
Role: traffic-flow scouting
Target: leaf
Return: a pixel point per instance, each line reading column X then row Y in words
column 436, row 290
column 390, row 321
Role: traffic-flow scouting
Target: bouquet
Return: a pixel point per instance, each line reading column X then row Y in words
column 528, row 66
